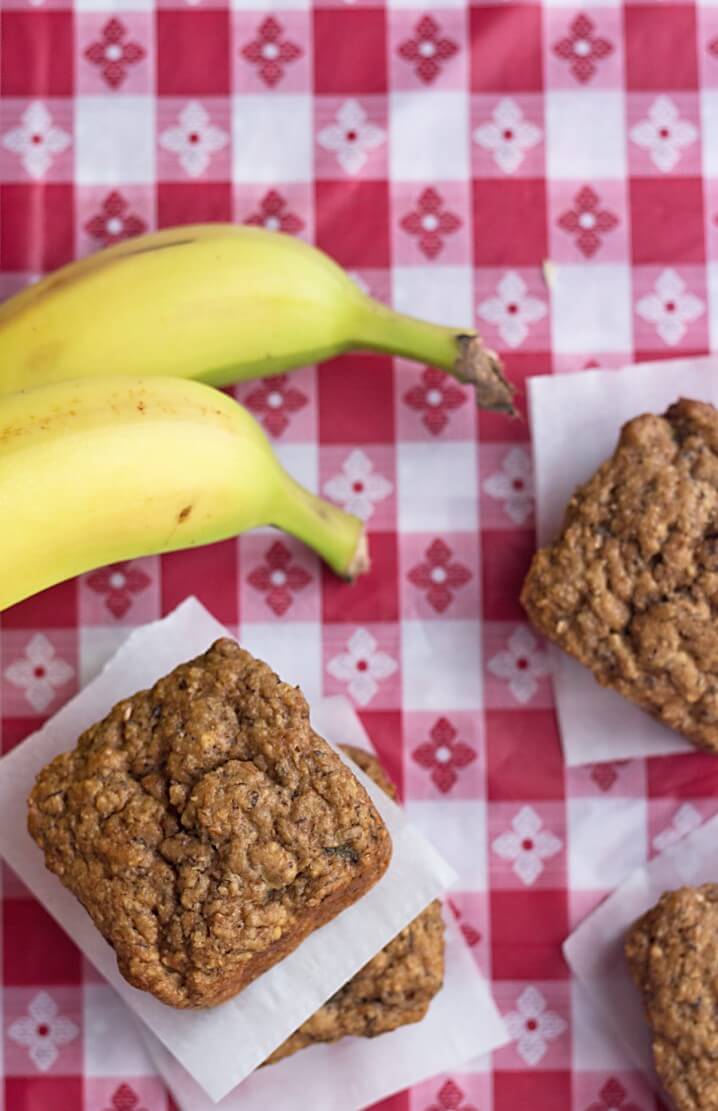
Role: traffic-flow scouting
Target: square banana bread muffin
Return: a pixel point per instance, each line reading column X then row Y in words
column 206, row 828
column 396, row 987
column 672, row 952
column 630, row 587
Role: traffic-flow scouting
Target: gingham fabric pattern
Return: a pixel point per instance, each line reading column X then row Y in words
column 441, row 155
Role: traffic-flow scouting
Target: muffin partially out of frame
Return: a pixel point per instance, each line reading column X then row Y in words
column 206, row 828
column 396, row 986
column 630, row 587
column 672, row 952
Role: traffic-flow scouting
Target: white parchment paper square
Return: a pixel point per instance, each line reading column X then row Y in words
column 221, row 1045
column 575, row 423
column 462, row 1023
column 594, row 951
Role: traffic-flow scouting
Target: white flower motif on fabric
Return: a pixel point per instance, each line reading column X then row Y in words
column 671, row 307
column 351, row 137
column 42, row 1031
column 36, row 140
column 508, row 135
column 39, row 673
column 362, row 667
column 520, row 665
column 194, row 139
column 358, row 487
column 664, row 134
column 527, row 844
column 513, row 485
column 532, row 1026
column 512, row 310
column 685, row 820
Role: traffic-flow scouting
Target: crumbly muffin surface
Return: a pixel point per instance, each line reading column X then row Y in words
column 630, row 587
column 672, row 952
column 396, row 986
column 206, row 828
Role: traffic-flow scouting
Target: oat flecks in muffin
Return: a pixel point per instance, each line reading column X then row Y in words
column 672, row 952
column 396, row 987
column 206, row 828
column 630, row 588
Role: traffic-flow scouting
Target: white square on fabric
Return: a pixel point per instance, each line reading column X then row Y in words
column 268, row 5
column 428, row 131
column 296, row 654
column 607, row 841
column 114, row 140
column 117, row 6
column 458, row 831
column 444, row 294
column 709, row 127
column 593, row 1048
column 712, row 286
column 441, row 665
column 570, row 4
column 585, row 134
column 272, row 138
column 96, row 645
column 302, row 462
column 437, row 487
column 591, row 308
column 112, row 1044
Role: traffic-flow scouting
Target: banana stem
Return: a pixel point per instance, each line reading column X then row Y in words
column 461, row 353
column 338, row 537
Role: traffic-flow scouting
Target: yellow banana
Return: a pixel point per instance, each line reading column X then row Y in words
column 101, row 469
column 218, row 303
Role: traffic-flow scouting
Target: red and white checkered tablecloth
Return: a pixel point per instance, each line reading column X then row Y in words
column 441, row 155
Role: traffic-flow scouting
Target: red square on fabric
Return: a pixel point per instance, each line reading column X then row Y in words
column 494, row 66
column 549, row 1091
column 210, row 573
column 39, row 1093
column 356, row 400
column 37, row 227
column 15, row 730
column 682, row 777
column 524, row 757
column 522, row 953
column 350, row 50
column 384, row 729
column 660, row 42
column 55, row 608
column 372, row 597
column 193, row 50
column 667, row 220
column 359, row 240
column 500, row 209
column 178, row 203
column 505, row 558
column 36, row 53
column 50, row 959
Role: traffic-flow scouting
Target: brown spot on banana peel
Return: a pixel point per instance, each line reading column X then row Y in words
column 183, row 514
column 480, row 367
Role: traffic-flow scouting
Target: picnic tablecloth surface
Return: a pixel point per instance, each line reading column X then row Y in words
column 442, row 155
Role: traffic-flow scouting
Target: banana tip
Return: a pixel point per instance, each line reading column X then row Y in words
column 480, row 367
column 361, row 562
